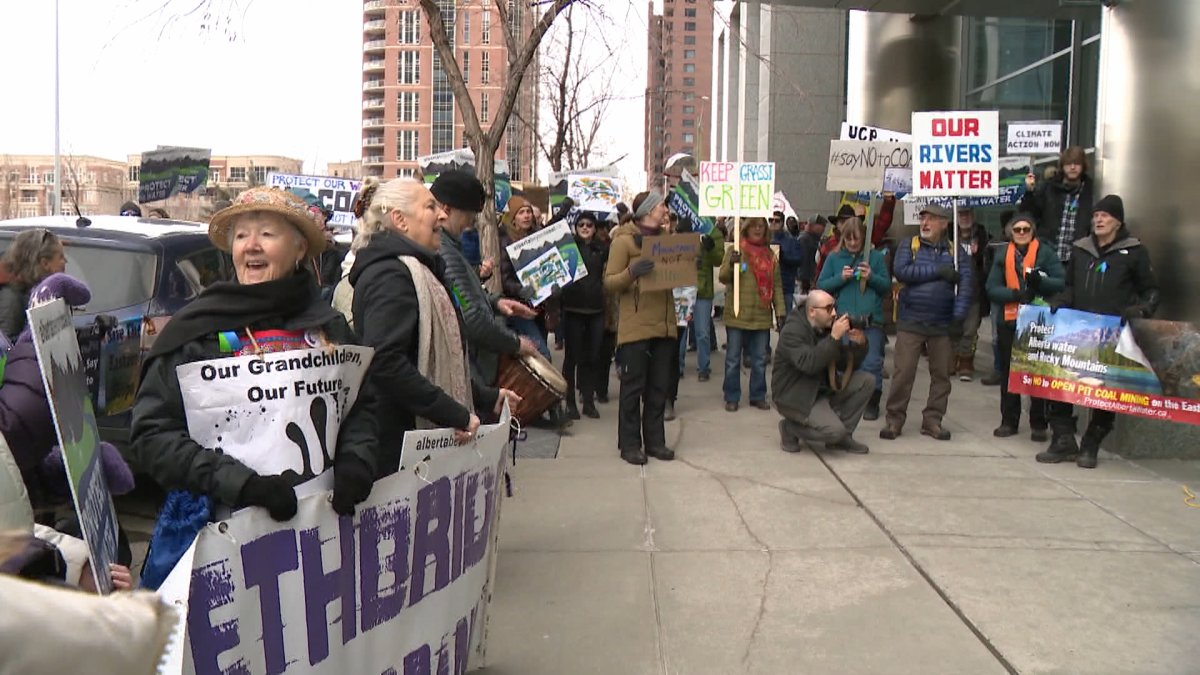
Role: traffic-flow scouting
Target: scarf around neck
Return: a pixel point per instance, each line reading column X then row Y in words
column 762, row 263
column 229, row 305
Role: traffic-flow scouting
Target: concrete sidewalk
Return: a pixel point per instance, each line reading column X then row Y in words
column 922, row 557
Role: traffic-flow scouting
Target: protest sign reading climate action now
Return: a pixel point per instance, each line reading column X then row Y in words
column 736, row 188
column 955, row 154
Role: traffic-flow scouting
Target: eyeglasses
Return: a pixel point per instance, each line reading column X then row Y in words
column 1022, row 230
column 826, row 307
column 585, row 224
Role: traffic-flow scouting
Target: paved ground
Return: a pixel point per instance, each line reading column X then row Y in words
column 921, row 557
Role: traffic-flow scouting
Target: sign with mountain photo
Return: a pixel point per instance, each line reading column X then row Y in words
column 1147, row 368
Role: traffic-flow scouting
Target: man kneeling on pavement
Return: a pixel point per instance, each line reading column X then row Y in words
column 814, row 381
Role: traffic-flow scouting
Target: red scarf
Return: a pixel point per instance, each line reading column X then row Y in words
column 762, row 262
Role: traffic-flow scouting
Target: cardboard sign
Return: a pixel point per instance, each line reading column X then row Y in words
column 956, row 154
column 404, row 585
column 75, row 425
column 1034, row 138
column 737, row 188
column 1092, row 360
column 859, row 165
column 276, row 413
column 674, row 257
column 337, row 194
column 862, row 132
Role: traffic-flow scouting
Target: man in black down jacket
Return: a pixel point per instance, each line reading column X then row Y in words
column 463, row 197
column 1109, row 273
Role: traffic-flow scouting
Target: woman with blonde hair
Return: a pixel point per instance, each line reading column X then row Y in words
column 402, row 308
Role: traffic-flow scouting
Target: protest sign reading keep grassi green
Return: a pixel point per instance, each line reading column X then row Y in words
column 736, row 188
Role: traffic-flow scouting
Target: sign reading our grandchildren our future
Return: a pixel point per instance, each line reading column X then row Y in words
column 956, row 154
column 737, row 188
column 277, row 412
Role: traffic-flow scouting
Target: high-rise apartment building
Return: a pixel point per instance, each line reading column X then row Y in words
column 408, row 106
column 678, row 82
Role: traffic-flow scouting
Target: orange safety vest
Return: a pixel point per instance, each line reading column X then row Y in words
column 1011, row 280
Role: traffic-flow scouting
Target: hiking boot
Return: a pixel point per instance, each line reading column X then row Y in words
column 589, row 410
column 731, row 406
column 788, row 442
column 872, row 411
column 664, row 454
column 634, row 456
column 1004, row 431
column 1039, row 435
column 889, row 433
column 702, row 377
column 991, row 380
column 936, row 433
column 1089, row 450
column 669, row 411
column 1062, row 449
column 601, row 397
column 848, row 444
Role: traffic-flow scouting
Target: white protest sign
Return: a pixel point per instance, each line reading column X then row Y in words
column 739, row 189
column 336, row 193
column 1034, row 138
column 277, row 412
column 859, row 165
column 594, row 193
column 862, row 132
column 403, row 586
column 956, row 154
column 897, row 180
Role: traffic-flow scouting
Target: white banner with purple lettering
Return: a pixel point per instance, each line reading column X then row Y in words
column 401, row 587
column 277, row 412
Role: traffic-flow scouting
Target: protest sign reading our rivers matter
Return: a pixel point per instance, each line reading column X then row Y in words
column 737, row 188
column 1147, row 368
column 955, row 154
column 277, row 412
column 75, row 423
column 403, row 586
column 674, row 257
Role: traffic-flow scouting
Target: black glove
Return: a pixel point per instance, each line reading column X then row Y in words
column 274, row 493
column 955, row 330
column 1026, row 296
column 735, row 256
column 641, row 267
column 949, row 274
column 707, row 244
column 1054, row 306
column 1132, row 312
column 528, row 292
column 1034, row 279
column 352, row 482
column 555, row 290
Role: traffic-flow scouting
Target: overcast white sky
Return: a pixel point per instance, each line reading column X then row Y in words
column 290, row 84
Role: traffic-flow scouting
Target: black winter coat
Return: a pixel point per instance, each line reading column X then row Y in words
column 1111, row 279
column 386, row 317
column 162, row 448
column 586, row 296
column 1046, row 204
column 26, row 421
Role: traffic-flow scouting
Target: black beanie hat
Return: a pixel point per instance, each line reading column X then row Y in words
column 460, row 190
column 1022, row 217
column 1112, row 205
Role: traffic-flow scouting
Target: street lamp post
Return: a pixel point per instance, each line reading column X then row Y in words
column 56, row 208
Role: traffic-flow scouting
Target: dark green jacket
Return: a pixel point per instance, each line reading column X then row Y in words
column 801, row 368
column 707, row 262
column 851, row 298
column 1047, row 261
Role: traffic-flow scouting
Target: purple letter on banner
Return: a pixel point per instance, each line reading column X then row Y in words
column 417, row 661
column 321, row 588
column 263, row 560
column 212, row 587
column 432, row 537
column 375, row 525
column 476, row 539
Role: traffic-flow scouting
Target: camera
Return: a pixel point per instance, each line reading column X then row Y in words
column 860, row 322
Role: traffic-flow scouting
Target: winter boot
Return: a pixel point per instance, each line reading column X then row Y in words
column 1063, row 448
column 589, row 409
column 872, row 411
column 1089, row 447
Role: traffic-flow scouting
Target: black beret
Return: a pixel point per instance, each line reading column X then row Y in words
column 460, row 190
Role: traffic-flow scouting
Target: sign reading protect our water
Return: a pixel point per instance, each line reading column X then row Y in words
column 956, row 154
column 736, row 188
column 336, row 193
column 1034, row 138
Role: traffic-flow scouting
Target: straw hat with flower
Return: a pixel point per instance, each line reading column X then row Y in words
column 293, row 209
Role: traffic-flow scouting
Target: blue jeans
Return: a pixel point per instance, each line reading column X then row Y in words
column 874, row 361
column 755, row 343
column 702, row 330
column 530, row 329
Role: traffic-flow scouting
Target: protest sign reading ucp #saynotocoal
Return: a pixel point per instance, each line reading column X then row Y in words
column 75, row 423
column 737, row 188
column 401, row 587
column 860, row 165
column 956, row 154
column 336, row 193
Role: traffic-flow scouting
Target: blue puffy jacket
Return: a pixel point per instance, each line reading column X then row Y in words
column 927, row 298
column 791, row 257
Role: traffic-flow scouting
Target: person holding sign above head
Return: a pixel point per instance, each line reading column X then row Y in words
column 274, row 306
column 1062, row 205
column 1109, row 273
column 934, row 300
column 1024, row 270
column 761, row 289
column 646, row 334
column 403, row 310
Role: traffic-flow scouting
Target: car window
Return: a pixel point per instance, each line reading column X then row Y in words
column 199, row 270
column 116, row 278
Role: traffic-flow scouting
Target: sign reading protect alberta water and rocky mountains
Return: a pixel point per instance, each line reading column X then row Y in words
column 1147, row 368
